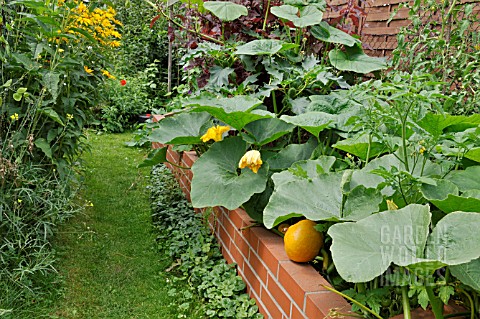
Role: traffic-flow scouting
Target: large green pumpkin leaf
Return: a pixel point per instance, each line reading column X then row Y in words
column 455, row 239
column 437, row 124
column 216, row 181
column 467, row 179
column 291, row 154
column 312, row 122
column 468, row 273
column 183, row 128
column 445, row 196
column 327, row 33
column 319, row 197
column 473, row 154
column 354, row 59
column 266, row 130
column 225, row 10
column 361, row 146
column 260, row 47
column 364, row 250
column 237, row 111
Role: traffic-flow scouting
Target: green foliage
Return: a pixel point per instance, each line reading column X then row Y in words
column 444, row 41
column 183, row 235
column 33, row 203
column 122, row 105
column 335, row 151
column 50, row 65
column 143, row 41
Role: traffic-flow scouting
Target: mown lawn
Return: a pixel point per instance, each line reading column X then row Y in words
column 107, row 254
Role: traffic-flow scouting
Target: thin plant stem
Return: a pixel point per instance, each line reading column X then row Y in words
column 266, row 16
column 354, row 301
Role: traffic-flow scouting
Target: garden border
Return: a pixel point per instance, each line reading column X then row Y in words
column 282, row 289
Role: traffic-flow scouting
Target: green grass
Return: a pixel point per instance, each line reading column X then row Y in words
column 107, row 254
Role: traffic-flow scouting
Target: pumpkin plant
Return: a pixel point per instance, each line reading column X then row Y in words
column 401, row 239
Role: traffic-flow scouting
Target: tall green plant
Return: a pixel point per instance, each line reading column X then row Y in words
column 444, row 40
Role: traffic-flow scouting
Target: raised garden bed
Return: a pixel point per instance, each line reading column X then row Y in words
column 282, row 288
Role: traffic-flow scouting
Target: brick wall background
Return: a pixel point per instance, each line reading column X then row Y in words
column 378, row 34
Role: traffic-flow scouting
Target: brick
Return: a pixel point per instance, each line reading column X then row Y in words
column 278, row 293
column 226, row 253
column 189, row 158
column 229, row 227
column 242, row 244
column 300, row 278
column 296, row 313
column 252, row 278
column 239, row 218
column 257, row 265
column 251, row 238
column 222, row 234
column 262, row 308
column 274, row 309
column 321, row 304
column 236, row 254
column 270, row 249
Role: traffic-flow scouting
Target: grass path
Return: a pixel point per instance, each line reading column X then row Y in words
column 107, row 253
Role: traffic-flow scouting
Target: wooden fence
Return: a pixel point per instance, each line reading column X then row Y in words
column 377, row 29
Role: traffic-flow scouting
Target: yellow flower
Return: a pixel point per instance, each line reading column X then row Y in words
column 87, row 69
column 14, row 117
column 108, row 75
column 61, row 50
column 252, row 160
column 422, row 149
column 69, row 116
column 215, row 133
column 391, row 205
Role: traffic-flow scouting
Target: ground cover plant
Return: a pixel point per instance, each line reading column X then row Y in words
column 184, row 236
column 287, row 134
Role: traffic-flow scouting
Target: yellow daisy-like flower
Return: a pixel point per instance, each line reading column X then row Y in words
column 69, row 116
column 215, row 133
column 87, row 69
column 108, row 75
column 252, row 160
column 14, row 117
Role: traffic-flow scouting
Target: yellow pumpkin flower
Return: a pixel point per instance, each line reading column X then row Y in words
column 252, row 160
column 87, row 69
column 215, row 133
